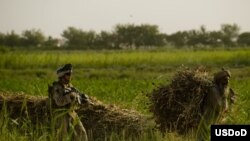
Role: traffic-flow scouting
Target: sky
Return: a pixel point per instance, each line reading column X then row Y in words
column 54, row 16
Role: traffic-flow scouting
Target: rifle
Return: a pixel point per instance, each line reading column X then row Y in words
column 82, row 98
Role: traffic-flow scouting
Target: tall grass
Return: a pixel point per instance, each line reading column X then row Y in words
column 120, row 77
column 123, row 59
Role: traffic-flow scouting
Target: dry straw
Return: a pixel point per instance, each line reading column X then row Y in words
column 177, row 106
column 99, row 119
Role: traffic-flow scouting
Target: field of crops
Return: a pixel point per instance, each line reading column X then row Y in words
column 123, row 77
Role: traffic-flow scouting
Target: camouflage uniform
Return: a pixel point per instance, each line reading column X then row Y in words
column 216, row 103
column 64, row 101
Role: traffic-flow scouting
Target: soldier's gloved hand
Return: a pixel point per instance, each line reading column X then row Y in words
column 73, row 96
column 67, row 91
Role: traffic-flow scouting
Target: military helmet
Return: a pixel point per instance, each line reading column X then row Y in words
column 221, row 75
column 67, row 68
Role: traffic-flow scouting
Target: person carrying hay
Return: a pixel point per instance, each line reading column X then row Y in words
column 191, row 101
column 64, row 100
column 216, row 103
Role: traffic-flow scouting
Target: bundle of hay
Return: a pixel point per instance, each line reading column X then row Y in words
column 99, row 119
column 20, row 106
column 103, row 120
column 177, row 106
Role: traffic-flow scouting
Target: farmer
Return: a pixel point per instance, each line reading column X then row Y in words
column 65, row 99
column 216, row 103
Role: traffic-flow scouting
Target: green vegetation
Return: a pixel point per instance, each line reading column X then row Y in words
column 130, row 36
column 139, row 59
column 121, row 77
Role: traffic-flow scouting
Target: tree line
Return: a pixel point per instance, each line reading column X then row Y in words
column 130, row 36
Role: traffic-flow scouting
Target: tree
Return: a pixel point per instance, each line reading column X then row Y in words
column 230, row 33
column 33, row 37
column 215, row 38
column 78, row 38
column 51, row 42
column 2, row 39
column 131, row 35
column 125, row 35
column 90, row 38
column 149, row 35
column 199, row 37
column 72, row 36
column 107, row 40
column 244, row 39
column 178, row 39
column 12, row 39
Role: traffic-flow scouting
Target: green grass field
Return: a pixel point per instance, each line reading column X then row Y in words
column 123, row 77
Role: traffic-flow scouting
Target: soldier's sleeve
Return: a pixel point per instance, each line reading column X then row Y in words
column 59, row 97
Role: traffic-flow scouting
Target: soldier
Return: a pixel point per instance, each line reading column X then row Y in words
column 64, row 101
column 216, row 103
